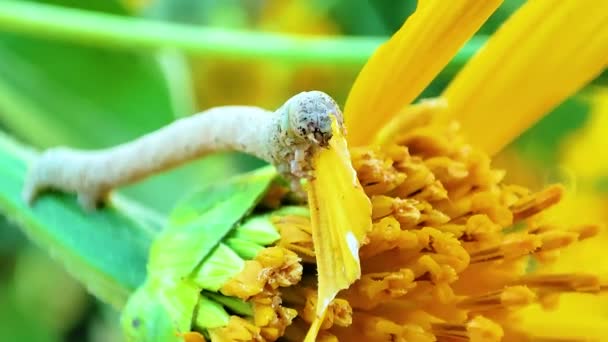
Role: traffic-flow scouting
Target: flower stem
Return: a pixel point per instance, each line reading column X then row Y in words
column 107, row 30
column 112, row 30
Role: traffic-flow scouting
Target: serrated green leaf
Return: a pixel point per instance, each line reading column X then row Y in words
column 210, row 314
column 160, row 311
column 257, row 229
column 106, row 250
column 244, row 248
column 216, row 269
column 201, row 221
column 188, row 255
column 235, row 305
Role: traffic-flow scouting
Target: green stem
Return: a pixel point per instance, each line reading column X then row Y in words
column 105, row 30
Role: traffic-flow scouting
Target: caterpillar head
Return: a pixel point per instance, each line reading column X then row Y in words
column 309, row 116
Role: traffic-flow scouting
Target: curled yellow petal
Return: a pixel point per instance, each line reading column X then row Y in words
column 340, row 217
column 401, row 68
column 544, row 53
column 409, row 117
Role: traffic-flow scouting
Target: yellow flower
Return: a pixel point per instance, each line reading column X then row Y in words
column 414, row 235
column 437, row 263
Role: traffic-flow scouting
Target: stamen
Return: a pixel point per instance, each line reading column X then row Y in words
column 375, row 172
column 273, row 267
column 446, row 170
column 556, row 239
column 535, row 203
column 409, row 212
column 374, row 288
column 237, row 330
column 512, row 247
column 509, row 297
column 270, row 315
column 568, row 282
column 480, row 228
column 296, row 235
column 339, row 312
column 418, row 177
column 587, row 231
column 476, row 330
column 425, row 141
column 385, row 235
column 374, row 328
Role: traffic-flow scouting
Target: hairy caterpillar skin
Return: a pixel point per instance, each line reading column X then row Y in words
column 287, row 138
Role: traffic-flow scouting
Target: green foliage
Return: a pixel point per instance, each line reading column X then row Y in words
column 106, row 250
column 235, row 305
column 541, row 142
column 222, row 264
column 202, row 220
column 188, row 256
column 60, row 93
column 159, row 311
column 210, row 314
column 17, row 325
column 256, row 229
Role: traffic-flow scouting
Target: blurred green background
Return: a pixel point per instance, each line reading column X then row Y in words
column 54, row 92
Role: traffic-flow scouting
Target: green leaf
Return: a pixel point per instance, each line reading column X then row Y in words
column 201, row 221
column 35, row 277
column 257, row 229
column 57, row 93
column 540, row 142
column 216, row 269
column 244, row 248
column 45, row 100
column 188, row 256
column 210, row 314
column 61, row 93
column 160, row 311
column 106, row 250
column 19, row 325
column 235, row 305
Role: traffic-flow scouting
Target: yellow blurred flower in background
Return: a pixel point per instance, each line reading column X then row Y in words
column 267, row 84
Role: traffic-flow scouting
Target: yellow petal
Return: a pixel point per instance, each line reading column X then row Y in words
column 313, row 331
column 545, row 52
column 401, row 68
column 411, row 116
column 340, row 217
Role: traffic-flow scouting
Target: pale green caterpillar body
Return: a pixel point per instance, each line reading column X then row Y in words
column 287, row 138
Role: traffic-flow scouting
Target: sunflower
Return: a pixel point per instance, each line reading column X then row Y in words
column 412, row 232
